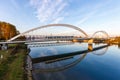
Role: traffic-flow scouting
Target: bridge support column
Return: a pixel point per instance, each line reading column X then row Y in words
column 74, row 40
column 90, row 44
column 108, row 42
column 57, row 41
column 0, row 46
column 90, row 47
column 4, row 46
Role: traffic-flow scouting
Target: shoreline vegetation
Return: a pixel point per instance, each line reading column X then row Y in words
column 115, row 41
column 13, row 62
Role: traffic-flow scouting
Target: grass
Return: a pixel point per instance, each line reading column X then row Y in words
column 16, row 70
column 5, row 54
column 12, row 66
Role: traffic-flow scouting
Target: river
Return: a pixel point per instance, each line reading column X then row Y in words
column 103, row 64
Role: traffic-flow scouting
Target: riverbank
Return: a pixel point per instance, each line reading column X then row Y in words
column 12, row 63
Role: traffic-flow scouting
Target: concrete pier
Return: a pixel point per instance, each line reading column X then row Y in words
column 4, row 46
column 90, row 44
column 90, row 47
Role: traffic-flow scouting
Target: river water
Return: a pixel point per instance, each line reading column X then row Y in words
column 103, row 64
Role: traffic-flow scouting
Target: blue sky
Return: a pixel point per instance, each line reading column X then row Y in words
column 89, row 15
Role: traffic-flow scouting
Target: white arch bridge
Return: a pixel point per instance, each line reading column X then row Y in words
column 32, row 38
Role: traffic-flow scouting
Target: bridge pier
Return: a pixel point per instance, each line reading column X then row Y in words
column 57, row 41
column 0, row 46
column 74, row 40
column 90, row 47
column 4, row 46
column 90, row 44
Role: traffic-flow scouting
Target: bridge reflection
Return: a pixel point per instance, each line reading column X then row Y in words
column 58, row 66
column 63, row 61
column 100, row 51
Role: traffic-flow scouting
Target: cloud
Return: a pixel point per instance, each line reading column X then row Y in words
column 49, row 10
column 58, row 20
column 86, row 17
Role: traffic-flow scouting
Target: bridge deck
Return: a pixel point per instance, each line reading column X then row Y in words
column 42, row 40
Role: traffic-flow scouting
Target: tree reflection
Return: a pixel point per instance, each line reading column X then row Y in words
column 119, row 45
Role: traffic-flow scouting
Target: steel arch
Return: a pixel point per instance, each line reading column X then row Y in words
column 50, row 25
column 101, row 32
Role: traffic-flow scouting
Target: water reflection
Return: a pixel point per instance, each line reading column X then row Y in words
column 59, row 65
column 119, row 45
column 101, row 51
column 83, row 66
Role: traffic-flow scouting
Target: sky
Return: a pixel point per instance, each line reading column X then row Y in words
column 89, row 15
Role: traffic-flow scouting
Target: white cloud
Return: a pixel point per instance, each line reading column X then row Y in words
column 49, row 10
column 58, row 20
column 86, row 17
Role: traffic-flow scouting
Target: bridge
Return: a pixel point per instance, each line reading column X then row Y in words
column 28, row 37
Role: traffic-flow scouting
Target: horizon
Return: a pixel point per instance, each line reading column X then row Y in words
column 90, row 16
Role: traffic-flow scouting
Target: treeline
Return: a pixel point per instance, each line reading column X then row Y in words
column 7, row 31
column 117, row 39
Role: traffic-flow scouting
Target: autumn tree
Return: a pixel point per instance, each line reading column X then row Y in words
column 0, row 32
column 7, row 31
